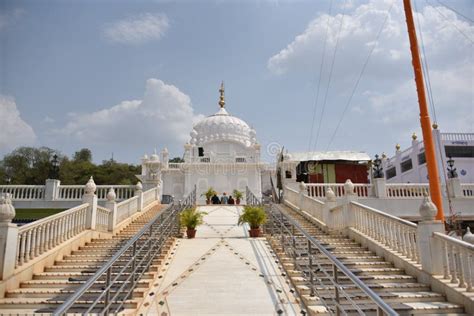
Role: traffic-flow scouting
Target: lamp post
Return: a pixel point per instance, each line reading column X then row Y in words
column 54, row 169
column 451, row 170
column 377, row 167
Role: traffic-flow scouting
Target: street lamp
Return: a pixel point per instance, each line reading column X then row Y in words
column 451, row 170
column 54, row 169
column 377, row 167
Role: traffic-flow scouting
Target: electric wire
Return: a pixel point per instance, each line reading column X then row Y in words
column 455, row 11
column 315, row 106
column 364, row 66
column 452, row 23
column 330, row 74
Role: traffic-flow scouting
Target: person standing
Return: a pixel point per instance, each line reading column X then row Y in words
column 215, row 199
column 224, row 198
column 230, row 200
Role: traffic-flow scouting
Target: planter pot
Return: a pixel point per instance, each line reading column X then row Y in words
column 254, row 232
column 191, row 233
column 208, row 202
column 237, row 201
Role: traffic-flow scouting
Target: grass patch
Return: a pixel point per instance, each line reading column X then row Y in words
column 35, row 213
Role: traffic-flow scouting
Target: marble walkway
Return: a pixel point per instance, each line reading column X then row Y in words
column 221, row 272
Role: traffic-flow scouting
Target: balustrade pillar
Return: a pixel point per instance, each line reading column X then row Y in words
column 8, row 238
column 139, row 193
column 90, row 198
column 454, row 188
column 302, row 192
column 430, row 249
column 328, row 206
column 349, row 196
column 51, row 192
column 379, row 187
column 111, row 205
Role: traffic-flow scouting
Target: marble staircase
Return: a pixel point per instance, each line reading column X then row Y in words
column 49, row 288
column 403, row 292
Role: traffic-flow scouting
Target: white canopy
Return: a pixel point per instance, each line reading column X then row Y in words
column 328, row 155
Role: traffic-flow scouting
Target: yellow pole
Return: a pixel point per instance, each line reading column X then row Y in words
column 435, row 187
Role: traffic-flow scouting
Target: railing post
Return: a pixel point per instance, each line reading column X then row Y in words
column 379, row 187
column 51, row 190
column 454, row 188
column 139, row 193
column 302, row 193
column 111, row 205
column 349, row 196
column 90, row 198
column 8, row 237
column 328, row 206
column 430, row 249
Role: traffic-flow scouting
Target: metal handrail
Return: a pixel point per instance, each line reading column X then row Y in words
column 155, row 233
column 337, row 265
column 251, row 199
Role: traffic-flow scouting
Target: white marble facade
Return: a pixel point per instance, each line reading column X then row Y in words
column 223, row 153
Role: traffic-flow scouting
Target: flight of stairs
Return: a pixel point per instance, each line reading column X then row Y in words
column 401, row 291
column 48, row 289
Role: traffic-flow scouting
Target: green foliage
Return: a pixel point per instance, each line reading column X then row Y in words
column 191, row 218
column 176, row 160
column 237, row 194
column 28, row 165
column 35, row 213
column 253, row 215
column 209, row 193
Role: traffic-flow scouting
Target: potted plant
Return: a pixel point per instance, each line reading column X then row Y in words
column 237, row 195
column 209, row 194
column 254, row 216
column 191, row 218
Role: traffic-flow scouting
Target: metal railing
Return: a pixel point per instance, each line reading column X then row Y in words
column 250, row 198
column 323, row 281
column 122, row 272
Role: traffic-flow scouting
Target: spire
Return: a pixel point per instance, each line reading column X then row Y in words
column 222, row 98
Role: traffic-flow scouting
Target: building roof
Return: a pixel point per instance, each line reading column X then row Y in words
column 328, row 155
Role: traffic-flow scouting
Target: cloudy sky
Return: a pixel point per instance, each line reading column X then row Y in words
column 125, row 77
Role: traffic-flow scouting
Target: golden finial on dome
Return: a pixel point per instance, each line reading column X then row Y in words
column 222, row 97
column 435, row 125
column 397, row 147
column 414, row 137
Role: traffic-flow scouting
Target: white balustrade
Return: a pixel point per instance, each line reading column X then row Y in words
column 305, row 203
column 291, row 196
column 102, row 222
column 24, row 192
column 337, row 217
column 127, row 208
column 457, row 136
column 75, row 192
column 458, row 261
column 173, row 165
column 394, row 232
column 44, row 234
column 407, row 190
column 318, row 190
column 467, row 189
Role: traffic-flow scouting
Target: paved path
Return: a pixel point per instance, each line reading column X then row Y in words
column 222, row 272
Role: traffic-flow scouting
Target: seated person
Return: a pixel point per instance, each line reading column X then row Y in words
column 224, row 198
column 215, row 199
column 230, row 200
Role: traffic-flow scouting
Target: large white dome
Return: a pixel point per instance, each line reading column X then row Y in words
column 222, row 127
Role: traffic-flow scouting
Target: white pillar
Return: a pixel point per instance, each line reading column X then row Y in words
column 379, row 188
column 430, row 249
column 111, row 205
column 90, row 198
column 139, row 193
column 302, row 194
column 454, row 188
column 8, row 237
column 328, row 206
column 52, row 189
column 349, row 196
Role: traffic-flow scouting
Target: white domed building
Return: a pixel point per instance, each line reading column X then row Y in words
column 222, row 153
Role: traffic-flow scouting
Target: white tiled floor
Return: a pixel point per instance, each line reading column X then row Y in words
column 221, row 272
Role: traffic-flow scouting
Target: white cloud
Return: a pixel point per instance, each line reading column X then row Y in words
column 387, row 93
column 14, row 131
column 138, row 29
column 164, row 117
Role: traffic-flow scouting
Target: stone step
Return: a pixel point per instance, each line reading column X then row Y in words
column 79, row 276
column 81, row 268
column 66, row 283
column 62, row 294
column 41, row 305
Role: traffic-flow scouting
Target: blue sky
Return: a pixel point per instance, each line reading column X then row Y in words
column 130, row 76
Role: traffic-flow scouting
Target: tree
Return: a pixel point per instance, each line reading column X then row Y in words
column 84, row 154
column 176, row 160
